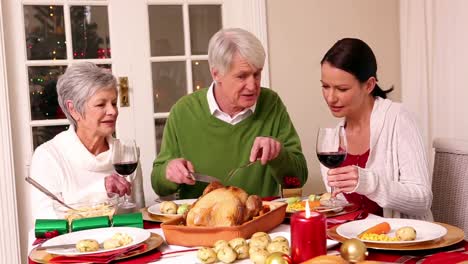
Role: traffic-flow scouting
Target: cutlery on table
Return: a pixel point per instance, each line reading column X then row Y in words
column 202, row 177
column 47, row 192
column 235, row 170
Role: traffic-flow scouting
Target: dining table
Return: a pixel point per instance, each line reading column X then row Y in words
column 166, row 253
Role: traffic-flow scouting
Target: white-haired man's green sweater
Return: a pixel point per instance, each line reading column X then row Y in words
column 215, row 147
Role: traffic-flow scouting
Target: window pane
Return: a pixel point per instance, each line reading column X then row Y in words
column 169, row 84
column 166, row 30
column 45, row 32
column 43, row 134
column 205, row 20
column 43, row 93
column 201, row 74
column 90, row 32
column 159, row 124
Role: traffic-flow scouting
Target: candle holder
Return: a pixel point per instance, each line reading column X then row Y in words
column 308, row 236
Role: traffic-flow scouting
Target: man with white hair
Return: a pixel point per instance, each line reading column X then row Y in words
column 233, row 122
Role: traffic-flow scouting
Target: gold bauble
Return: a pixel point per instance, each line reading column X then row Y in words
column 278, row 258
column 353, row 250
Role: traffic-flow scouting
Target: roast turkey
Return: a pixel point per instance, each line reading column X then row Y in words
column 223, row 206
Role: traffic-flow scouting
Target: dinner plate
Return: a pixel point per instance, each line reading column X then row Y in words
column 425, row 231
column 332, row 212
column 155, row 208
column 138, row 235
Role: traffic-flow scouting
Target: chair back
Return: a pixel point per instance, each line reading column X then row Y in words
column 450, row 182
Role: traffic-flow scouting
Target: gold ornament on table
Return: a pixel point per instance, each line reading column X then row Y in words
column 278, row 258
column 353, row 250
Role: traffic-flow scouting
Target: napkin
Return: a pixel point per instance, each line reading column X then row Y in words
column 446, row 257
column 104, row 257
column 153, row 256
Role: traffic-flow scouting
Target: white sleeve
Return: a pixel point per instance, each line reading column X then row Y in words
column 411, row 193
column 46, row 171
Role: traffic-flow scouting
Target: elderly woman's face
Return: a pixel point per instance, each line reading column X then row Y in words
column 100, row 113
column 341, row 90
column 240, row 87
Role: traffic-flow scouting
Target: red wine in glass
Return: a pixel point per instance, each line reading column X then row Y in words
column 125, row 160
column 125, row 168
column 331, row 152
column 331, row 160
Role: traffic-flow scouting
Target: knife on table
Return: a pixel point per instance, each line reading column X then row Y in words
column 203, row 178
column 63, row 246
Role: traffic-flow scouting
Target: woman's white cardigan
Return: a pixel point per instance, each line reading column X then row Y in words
column 396, row 176
column 64, row 165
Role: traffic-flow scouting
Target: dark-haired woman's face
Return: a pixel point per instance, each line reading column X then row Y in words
column 342, row 91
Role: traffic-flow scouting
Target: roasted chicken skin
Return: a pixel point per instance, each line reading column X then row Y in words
column 223, row 206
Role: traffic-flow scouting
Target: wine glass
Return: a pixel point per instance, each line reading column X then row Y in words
column 331, row 152
column 125, row 160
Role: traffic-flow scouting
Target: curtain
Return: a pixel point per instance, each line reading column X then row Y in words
column 434, row 56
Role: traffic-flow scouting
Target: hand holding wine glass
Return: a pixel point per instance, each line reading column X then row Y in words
column 125, row 160
column 331, row 152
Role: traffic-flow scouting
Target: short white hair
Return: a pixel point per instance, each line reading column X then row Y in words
column 228, row 42
column 79, row 83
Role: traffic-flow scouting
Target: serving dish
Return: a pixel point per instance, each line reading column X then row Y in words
column 92, row 205
column 177, row 233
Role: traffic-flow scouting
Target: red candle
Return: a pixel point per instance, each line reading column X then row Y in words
column 308, row 236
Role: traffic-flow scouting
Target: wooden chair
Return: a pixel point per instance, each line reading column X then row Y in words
column 450, row 182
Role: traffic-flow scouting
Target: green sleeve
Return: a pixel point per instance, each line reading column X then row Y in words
column 169, row 151
column 291, row 160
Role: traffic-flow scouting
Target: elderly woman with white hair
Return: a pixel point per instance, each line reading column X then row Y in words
column 77, row 162
column 231, row 123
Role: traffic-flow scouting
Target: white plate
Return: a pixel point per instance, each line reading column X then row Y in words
column 138, row 235
column 332, row 209
column 155, row 208
column 425, row 231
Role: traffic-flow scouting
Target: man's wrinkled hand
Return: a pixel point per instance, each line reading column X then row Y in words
column 178, row 171
column 265, row 149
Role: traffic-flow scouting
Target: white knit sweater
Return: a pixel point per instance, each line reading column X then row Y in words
column 396, row 176
column 64, row 165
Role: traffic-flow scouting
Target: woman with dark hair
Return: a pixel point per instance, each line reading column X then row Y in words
column 386, row 169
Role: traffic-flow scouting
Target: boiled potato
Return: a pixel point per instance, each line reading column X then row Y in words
column 227, row 255
column 406, row 233
column 111, row 243
column 168, row 207
column 242, row 251
column 278, row 247
column 123, row 238
column 236, row 242
column 259, row 256
column 260, row 241
column 261, row 234
column 206, row 255
column 87, row 245
column 280, row 239
column 220, row 244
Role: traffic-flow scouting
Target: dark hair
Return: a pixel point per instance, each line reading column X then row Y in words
column 356, row 57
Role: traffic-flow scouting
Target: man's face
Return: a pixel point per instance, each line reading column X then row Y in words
column 238, row 88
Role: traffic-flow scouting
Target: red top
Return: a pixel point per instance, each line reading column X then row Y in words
column 365, row 203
